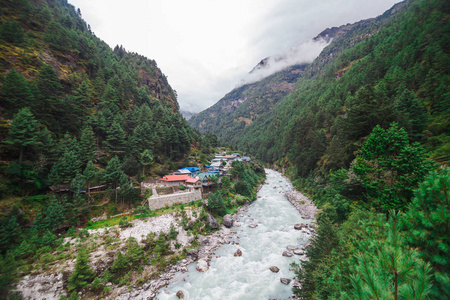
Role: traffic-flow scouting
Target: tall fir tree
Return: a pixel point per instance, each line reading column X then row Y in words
column 87, row 144
column 82, row 274
column 115, row 139
column 16, row 92
column 23, row 131
column 428, row 224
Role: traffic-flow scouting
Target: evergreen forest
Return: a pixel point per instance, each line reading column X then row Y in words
column 363, row 131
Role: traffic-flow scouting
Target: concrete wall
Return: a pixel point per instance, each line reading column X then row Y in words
column 161, row 201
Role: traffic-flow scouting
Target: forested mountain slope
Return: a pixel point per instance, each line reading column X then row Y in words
column 230, row 116
column 366, row 134
column 67, row 98
column 244, row 104
column 398, row 72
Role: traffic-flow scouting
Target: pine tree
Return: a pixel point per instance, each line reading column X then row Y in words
column 145, row 114
column 66, row 168
column 87, row 144
column 412, row 112
column 78, row 183
column 82, row 274
column 390, row 168
column 8, row 272
column 115, row 139
column 143, row 138
column 394, row 272
column 135, row 253
column 16, row 91
column 120, row 265
column 49, row 89
column 89, row 175
column 12, row 32
column 23, row 131
column 45, row 143
column 146, row 160
column 427, row 222
column 113, row 173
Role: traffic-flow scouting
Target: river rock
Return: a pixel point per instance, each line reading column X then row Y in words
column 193, row 253
column 299, row 226
column 298, row 252
column 180, row 294
column 291, row 247
column 202, row 239
column 213, row 224
column 274, row 269
column 238, row 252
column 227, row 221
column 236, row 224
column 287, row 254
column 253, row 225
column 285, row 280
column 202, row 266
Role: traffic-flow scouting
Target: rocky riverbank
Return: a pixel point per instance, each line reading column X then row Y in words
column 302, row 203
column 202, row 255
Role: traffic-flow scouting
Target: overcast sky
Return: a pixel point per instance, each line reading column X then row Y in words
column 206, row 47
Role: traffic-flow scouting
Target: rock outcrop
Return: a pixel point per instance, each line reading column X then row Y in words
column 228, row 221
column 212, row 222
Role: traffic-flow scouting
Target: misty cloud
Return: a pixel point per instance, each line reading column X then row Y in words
column 302, row 53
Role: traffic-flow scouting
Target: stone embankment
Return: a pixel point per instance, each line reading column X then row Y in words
column 302, row 203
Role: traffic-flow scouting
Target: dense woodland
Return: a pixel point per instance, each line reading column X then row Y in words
column 366, row 134
column 75, row 114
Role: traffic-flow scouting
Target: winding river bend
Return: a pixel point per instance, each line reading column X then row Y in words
column 248, row 276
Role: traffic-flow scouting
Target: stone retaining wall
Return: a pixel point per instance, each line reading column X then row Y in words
column 169, row 200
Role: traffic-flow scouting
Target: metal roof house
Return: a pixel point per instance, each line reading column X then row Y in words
column 194, row 170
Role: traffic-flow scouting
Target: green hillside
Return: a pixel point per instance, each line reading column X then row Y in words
column 240, row 107
column 398, row 73
column 65, row 95
column 365, row 132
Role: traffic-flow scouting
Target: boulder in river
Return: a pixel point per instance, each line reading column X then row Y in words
column 238, row 252
column 291, row 247
column 227, row 221
column 253, row 225
column 202, row 266
column 274, row 269
column 298, row 252
column 236, row 224
column 300, row 226
column 213, row 224
column 180, row 294
column 285, row 280
column 287, row 254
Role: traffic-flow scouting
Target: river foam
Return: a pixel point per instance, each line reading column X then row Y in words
column 248, row 276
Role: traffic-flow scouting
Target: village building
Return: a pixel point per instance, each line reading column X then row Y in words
column 193, row 183
column 206, row 178
column 194, row 170
column 174, row 180
column 183, row 171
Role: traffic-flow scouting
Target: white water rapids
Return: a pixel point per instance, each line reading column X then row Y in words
column 248, row 276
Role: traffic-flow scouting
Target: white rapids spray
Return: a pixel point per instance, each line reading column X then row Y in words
column 248, row 276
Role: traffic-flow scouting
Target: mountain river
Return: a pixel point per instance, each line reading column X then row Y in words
column 248, row 276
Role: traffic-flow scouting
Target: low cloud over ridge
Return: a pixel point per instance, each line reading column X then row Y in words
column 303, row 53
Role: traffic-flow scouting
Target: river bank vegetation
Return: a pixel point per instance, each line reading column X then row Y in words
column 78, row 121
column 365, row 133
